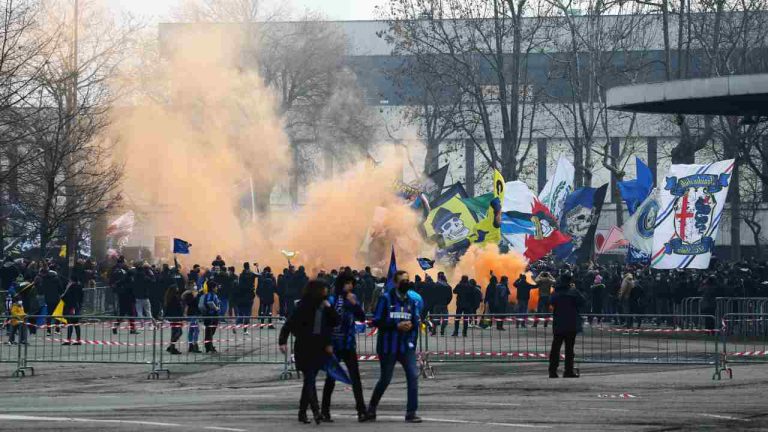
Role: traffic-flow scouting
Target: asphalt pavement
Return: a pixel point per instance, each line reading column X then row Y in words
column 461, row 397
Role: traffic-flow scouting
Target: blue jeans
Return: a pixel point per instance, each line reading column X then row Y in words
column 522, row 308
column 194, row 331
column 244, row 313
column 387, row 364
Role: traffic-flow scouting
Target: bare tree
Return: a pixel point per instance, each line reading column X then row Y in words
column 752, row 209
column 478, row 50
column 22, row 56
column 72, row 180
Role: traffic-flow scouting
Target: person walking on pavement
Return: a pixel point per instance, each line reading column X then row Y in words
column 312, row 324
column 566, row 303
column 397, row 318
column 344, row 341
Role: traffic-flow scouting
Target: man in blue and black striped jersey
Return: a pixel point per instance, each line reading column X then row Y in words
column 397, row 318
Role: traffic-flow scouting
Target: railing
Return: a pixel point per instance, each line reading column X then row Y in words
column 744, row 339
column 624, row 339
column 123, row 340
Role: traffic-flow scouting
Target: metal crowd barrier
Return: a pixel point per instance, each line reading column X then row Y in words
column 621, row 339
column 624, row 339
column 95, row 300
column 128, row 340
column 744, row 339
column 740, row 305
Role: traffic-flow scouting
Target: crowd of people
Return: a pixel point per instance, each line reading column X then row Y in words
column 323, row 311
column 141, row 291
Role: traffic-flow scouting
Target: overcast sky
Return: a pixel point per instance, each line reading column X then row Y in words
column 333, row 9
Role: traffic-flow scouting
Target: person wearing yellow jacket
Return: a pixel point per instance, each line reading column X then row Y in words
column 17, row 322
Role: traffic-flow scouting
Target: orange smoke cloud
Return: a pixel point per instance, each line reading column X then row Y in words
column 478, row 263
column 330, row 229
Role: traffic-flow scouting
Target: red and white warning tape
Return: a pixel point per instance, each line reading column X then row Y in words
column 749, row 354
column 617, row 396
column 653, row 330
column 492, row 354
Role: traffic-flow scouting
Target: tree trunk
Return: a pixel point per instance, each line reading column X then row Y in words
column 735, row 200
column 587, row 166
column 619, row 203
column 44, row 240
column 293, row 188
column 578, row 164
column 684, row 152
column 432, row 159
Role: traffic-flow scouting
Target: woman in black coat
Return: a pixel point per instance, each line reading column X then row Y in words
column 311, row 325
column 73, row 302
column 173, row 308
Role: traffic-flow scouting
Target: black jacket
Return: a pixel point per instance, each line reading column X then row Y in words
column 523, row 290
column 266, row 289
column 172, row 305
column 295, row 284
column 465, row 295
column 309, row 348
column 565, row 311
column 143, row 282
column 226, row 285
column 443, row 294
column 49, row 285
column 73, row 297
column 8, row 273
column 119, row 280
column 245, row 288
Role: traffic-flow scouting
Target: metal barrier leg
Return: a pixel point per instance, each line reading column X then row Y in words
column 21, row 362
column 286, row 373
column 157, row 357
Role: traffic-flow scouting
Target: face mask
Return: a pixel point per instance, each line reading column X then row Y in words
column 403, row 287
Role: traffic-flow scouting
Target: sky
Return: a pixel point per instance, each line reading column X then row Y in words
column 333, row 9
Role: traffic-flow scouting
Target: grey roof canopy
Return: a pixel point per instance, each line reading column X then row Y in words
column 738, row 95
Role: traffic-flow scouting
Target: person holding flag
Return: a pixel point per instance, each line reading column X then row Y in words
column 344, row 341
column 397, row 318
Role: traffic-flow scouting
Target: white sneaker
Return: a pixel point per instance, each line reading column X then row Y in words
column 245, row 333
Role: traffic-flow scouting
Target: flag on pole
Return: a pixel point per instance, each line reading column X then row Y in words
column 425, row 263
column 488, row 230
column 527, row 225
column 391, row 272
column 450, row 222
column 633, row 192
column 581, row 214
column 180, row 246
column 557, row 189
column 58, row 313
column 690, row 211
column 639, row 228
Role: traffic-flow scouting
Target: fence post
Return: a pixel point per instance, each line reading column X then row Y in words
column 21, row 359
column 157, row 357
